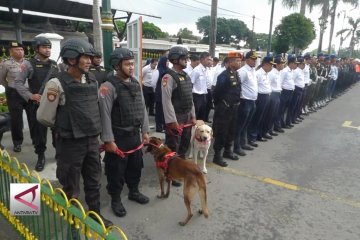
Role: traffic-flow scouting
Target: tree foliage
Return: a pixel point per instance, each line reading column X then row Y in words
column 185, row 33
column 228, row 30
column 294, row 31
column 150, row 30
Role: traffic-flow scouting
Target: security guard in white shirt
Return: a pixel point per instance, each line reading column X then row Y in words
column 288, row 86
column 200, row 78
column 255, row 132
column 295, row 105
column 275, row 82
column 246, row 110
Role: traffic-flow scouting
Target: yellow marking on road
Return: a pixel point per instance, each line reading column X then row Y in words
column 348, row 125
column 321, row 194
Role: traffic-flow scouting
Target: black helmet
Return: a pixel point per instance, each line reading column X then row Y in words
column 177, row 52
column 40, row 41
column 120, row 54
column 73, row 48
column 98, row 54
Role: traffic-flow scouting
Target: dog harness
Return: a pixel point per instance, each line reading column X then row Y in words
column 165, row 164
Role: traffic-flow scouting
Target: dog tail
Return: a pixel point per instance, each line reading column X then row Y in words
column 203, row 196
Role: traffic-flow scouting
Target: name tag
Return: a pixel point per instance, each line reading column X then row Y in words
column 39, row 65
column 181, row 78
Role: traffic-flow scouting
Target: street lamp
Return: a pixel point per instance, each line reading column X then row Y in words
column 322, row 23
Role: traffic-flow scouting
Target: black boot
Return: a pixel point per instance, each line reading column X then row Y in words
column 106, row 222
column 219, row 160
column 40, row 162
column 135, row 195
column 230, row 155
column 117, row 207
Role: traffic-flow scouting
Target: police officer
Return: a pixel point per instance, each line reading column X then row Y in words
column 36, row 71
column 226, row 98
column 98, row 70
column 8, row 71
column 70, row 104
column 177, row 103
column 124, row 125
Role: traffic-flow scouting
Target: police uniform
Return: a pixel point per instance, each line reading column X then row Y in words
column 124, row 119
column 16, row 104
column 227, row 99
column 99, row 72
column 33, row 75
column 246, row 110
column 178, row 108
column 295, row 104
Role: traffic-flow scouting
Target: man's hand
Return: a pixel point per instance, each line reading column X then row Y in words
column 193, row 121
column 146, row 138
column 174, row 128
column 36, row 97
column 110, row 147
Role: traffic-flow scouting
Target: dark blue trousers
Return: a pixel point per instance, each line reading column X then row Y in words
column 271, row 113
column 255, row 126
column 246, row 111
column 285, row 100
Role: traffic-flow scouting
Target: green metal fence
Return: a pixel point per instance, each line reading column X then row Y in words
column 60, row 218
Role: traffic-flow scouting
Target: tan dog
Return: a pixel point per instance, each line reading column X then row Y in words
column 172, row 167
column 201, row 136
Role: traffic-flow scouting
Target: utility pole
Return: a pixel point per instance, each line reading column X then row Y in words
column 252, row 34
column 213, row 27
column 270, row 30
column 107, row 27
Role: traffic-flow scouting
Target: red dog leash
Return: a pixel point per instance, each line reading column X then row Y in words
column 181, row 128
column 121, row 153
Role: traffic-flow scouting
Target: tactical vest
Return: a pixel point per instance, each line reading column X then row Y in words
column 181, row 99
column 41, row 74
column 99, row 72
column 231, row 93
column 128, row 107
column 80, row 116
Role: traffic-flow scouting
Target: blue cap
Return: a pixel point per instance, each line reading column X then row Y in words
column 278, row 60
column 327, row 58
column 292, row 59
column 321, row 54
column 307, row 56
column 268, row 59
column 300, row 59
column 332, row 56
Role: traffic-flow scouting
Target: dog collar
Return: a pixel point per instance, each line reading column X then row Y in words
column 165, row 163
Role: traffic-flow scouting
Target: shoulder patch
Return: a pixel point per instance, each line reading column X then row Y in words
column 103, row 91
column 164, row 80
column 52, row 94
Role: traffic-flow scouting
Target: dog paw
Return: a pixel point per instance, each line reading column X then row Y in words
column 182, row 223
column 200, row 211
column 166, row 195
column 161, row 196
column 204, row 171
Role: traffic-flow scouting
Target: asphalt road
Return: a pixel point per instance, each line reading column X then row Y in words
column 302, row 185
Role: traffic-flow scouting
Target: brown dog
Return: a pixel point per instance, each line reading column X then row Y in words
column 172, row 167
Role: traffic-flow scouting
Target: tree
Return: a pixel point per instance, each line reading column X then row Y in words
column 353, row 31
column 152, row 31
column 260, row 41
column 295, row 3
column 228, row 30
column 295, row 31
column 186, row 34
column 333, row 7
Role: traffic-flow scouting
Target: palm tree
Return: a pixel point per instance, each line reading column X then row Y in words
column 96, row 26
column 334, row 5
column 352, row 31
column 295, row 3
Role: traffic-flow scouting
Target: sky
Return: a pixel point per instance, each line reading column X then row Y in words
column 176, row 14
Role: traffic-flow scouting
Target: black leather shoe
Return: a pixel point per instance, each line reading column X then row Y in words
column 301, row 118
column 106, row 222
column 296, row 122
column 230, row 155
column 287, row 127
column 40, row 162
column 279, row 130
column 118, row 208
column 17, row 148
column 240, row 152
column 253, row 144
column 273, row 134
column 138, row 197
column 268, row 136
column 247, row 147
column 290, row 125
column 175, row 183
column 261, row 139
column 218, row 160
